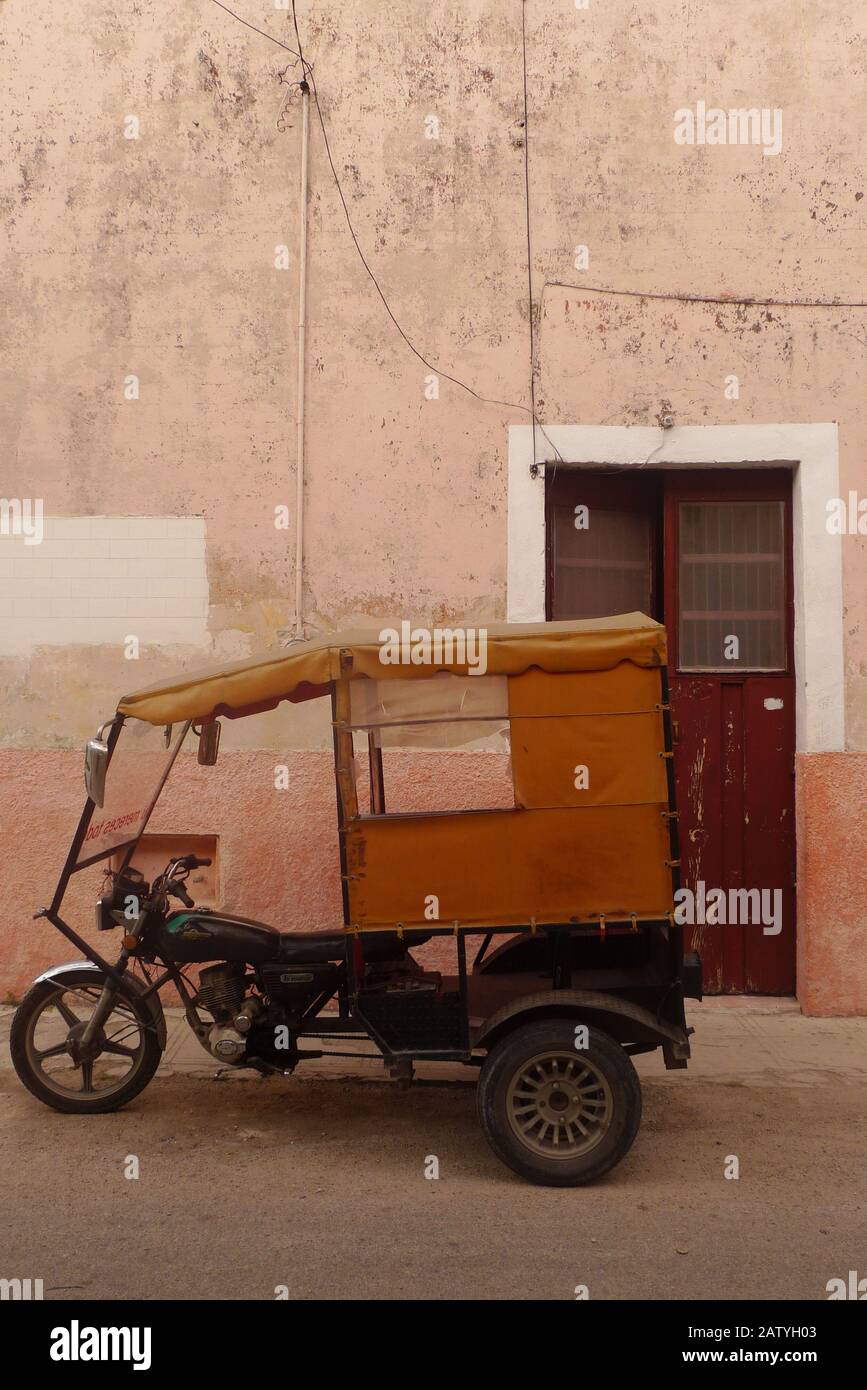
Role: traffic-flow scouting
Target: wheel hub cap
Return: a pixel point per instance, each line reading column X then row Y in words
column 559, row 1105
column 76, row 1049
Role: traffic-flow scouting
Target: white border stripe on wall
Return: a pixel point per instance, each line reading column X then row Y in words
column 812, row 453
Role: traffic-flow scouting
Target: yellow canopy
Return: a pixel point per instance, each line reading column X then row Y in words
column 305, row 670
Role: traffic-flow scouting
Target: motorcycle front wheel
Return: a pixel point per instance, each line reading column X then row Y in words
column 54, row 1064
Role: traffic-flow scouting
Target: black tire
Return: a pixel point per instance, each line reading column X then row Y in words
column 591, row 1099
column 144, row 1058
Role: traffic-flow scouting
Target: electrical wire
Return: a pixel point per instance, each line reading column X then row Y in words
column 307, row 70
column 748, row 301
column 297, row 34
column 711, row 299
column 532, row 326
column 263, row 32
column 534, row 466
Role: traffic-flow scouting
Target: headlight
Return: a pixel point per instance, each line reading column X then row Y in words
column 122, row 901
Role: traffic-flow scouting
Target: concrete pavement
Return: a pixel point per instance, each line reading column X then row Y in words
column 317, row 1181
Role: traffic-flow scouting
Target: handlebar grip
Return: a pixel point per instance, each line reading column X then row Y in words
column 196, row 863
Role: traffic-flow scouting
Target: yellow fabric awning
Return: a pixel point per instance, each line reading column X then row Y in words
column 305, row 670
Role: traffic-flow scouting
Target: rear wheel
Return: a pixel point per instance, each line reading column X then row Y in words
column 57, row 1067
column 559, row 1115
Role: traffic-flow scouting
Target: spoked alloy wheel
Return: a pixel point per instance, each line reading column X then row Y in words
column 56, row 1065
column 559, row 1105
column 558, row 1115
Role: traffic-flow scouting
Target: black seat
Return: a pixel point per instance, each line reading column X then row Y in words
column 300, row 947
column 311, row 947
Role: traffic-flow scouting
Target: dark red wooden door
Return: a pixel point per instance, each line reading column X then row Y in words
column 728, row 612
column 708, row 553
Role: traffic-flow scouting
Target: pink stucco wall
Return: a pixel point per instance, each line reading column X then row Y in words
column 156, row 256
column 831, row 807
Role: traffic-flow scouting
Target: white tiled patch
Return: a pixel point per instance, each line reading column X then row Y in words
column 101, row 579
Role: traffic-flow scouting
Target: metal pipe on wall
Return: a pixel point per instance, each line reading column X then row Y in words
column 300, row 390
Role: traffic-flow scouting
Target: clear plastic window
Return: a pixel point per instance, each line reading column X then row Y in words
column 139, row 764
column 443, row 711
column 395, row 722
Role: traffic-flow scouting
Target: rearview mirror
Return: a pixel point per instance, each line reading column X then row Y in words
column 95, row 765
column 209, row 743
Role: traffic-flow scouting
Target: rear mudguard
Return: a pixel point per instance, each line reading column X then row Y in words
column 625, row 1021
column 135, row 991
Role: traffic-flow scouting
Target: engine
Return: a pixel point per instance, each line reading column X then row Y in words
column 222, row 993
column 255, row 1027
column 221, row 989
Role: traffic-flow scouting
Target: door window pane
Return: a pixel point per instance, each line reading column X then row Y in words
column 732, row 586
column 603, row 569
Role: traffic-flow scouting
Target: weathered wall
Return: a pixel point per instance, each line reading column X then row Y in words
column 832, row 882
column 155, row 257
column 277, row 849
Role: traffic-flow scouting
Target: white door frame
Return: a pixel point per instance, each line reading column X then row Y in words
column 811, row 451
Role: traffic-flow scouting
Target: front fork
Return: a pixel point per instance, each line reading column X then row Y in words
column 104, row 1006
column 112, row 987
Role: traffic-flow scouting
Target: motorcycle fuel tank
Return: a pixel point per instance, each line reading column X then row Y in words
column 203, row 935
